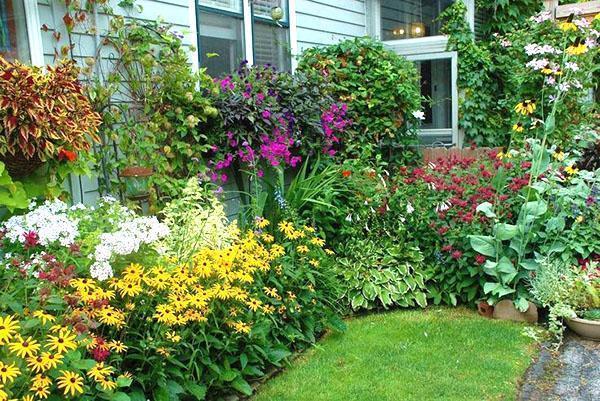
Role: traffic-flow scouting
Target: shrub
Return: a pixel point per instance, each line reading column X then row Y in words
column 161, row 327
column 153, row 105
column 380, row 88
column 272, row 120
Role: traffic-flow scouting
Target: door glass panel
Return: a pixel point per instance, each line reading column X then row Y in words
column 14, row 42
column 411, row 18
column 436, row 87
column 221, row 43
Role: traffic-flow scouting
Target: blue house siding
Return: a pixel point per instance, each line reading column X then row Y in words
column 324, row 22
column 173, row 12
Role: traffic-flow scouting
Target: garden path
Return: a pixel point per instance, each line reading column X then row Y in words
column 573, row 375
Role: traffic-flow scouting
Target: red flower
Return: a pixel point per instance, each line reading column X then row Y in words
column 64, row 154
column 456, row 255
column 480, row 259
column 447, row 248
column 443, row 230
column 346, row 173
column 31, row 239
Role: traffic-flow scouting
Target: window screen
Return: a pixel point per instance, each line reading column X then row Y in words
column 14, row 42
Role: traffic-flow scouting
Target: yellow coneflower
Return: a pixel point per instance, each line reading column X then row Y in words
column 518, row 127
column 8, row 328
column 62, row 343
column 571, row 170
column 52, row 360
column 37, row 364
column 44, row 317
column 70, row 382
column 525, row 107
column 117, row 346
column 567, row 26
column 24, row 347
column 100, row 371
column 302, row 249
column 577, row 50
column 8, row 373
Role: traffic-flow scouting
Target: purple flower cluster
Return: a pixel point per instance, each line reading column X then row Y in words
column 271, row 119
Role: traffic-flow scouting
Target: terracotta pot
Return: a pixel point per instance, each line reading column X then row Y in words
column 589, row 329
column 137, row 181
column 485, row 309
column 506, row 310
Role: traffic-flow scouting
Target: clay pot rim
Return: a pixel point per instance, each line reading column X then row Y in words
column 136, row 171
column 585, row 321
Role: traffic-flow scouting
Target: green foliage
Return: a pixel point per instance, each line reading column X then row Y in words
column 479, row 114
column 159, row 123
column 566, row 291
column 495, row 74
column 196, row 220
column 380, row 88
column 506, row 15
column 410, row 355
column 381, row 274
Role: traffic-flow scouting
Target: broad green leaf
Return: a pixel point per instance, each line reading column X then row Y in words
column 489, row 287
column 506, row 231
column 483, row 244
column 242, row 386
column 196, row 390
column 421, row 299
column 487, row 209
column 521, row 304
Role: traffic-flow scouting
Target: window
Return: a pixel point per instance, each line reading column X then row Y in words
column 410, row 18
column 438, row 86
column 14, row 40
column 233, row 30
column 271, row 38
column 220, row 35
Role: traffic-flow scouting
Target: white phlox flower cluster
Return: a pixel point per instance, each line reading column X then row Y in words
column 49, row 221
column 128, row 239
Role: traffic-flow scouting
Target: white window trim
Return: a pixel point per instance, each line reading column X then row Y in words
column 34, row 33
column 453, row 131
column 248, row 37
column 293, row 33
column 194, row 38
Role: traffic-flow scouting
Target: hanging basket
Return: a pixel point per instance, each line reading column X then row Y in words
column 19, row 166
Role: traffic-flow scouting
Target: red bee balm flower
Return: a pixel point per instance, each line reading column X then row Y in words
column 31, row 239
column 346, row 173
column 64, row 154
column 480, row 259
column 456, row 255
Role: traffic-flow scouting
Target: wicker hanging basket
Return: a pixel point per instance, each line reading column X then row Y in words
column 19, row 166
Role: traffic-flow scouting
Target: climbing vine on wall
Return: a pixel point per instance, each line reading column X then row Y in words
column 479, row 111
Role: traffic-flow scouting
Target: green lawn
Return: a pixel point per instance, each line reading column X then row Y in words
column 437, row 354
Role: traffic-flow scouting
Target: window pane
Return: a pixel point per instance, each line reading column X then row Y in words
column 221, row 35
column 226, row 5
column 411, row 19
column 436, row 86
column 14, row 43
column 262, row 8
column 271, row 46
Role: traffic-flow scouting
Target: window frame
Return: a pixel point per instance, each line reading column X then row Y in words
column 248, row 17
column 453, row 130
column 34, row 33
column 423, row 49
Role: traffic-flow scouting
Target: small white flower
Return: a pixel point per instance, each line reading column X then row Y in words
column 409, row 208
column 419, row 115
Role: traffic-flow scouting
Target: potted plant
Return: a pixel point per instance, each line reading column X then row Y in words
column 571, row 294
column 45, row 116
